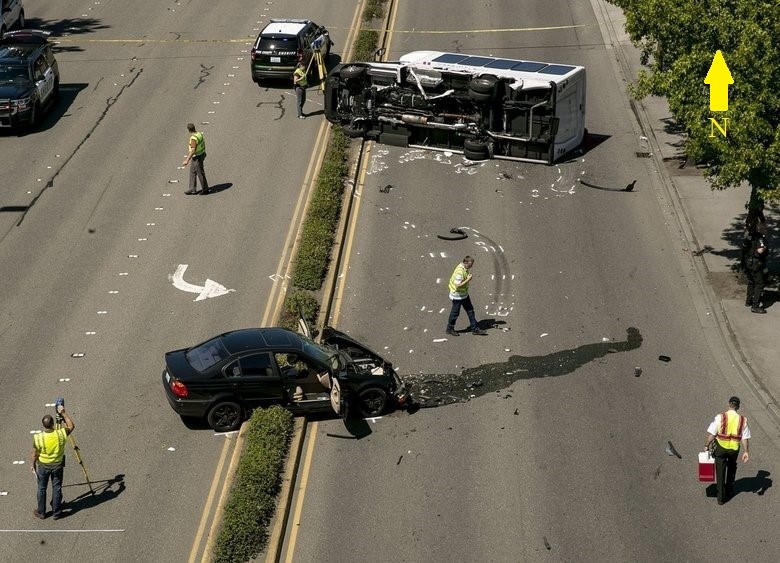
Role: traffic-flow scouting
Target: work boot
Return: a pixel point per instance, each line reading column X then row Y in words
column 451, row 332
column 758, row 310
column 749, row 303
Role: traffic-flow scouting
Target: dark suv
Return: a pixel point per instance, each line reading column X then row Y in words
column 29, row 77
column 284, row 42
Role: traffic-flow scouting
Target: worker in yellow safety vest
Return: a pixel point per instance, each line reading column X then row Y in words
column 459, row 295
column 195, row 156
column 48, row 462
column 729, row 431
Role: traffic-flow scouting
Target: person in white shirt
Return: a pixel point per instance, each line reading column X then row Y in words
column 729, row 431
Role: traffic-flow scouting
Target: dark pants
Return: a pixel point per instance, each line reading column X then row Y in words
column 197, row 171
column 455, row 311
column 44, row 471
column 300, row 96
column 725, row 471
column 755, row 286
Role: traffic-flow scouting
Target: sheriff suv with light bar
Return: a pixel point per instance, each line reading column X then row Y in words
column 284, row 42
column 29, row 78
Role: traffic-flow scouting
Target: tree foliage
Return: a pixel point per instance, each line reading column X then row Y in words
column 678, row 39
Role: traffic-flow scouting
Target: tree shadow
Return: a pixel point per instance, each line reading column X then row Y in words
column 61, row 29
column 103, row 491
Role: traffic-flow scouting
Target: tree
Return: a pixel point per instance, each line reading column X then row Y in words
column 678, row 40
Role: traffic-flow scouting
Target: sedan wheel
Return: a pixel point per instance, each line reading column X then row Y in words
column 226, row 416
column 372, row 401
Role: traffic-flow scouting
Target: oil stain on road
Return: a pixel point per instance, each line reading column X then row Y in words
column 431, row 390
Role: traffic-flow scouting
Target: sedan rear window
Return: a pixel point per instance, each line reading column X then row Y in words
column 209, row 353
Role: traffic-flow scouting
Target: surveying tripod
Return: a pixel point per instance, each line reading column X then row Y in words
column 58, row 420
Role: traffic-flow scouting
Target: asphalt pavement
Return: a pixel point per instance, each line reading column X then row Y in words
column 715, row 219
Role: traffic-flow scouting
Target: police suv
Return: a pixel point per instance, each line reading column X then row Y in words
column 12, row 15
column 29, row 77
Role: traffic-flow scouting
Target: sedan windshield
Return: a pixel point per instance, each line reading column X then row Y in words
column 13, row 73
column 207, row 354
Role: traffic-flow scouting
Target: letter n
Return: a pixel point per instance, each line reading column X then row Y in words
column 715, row 125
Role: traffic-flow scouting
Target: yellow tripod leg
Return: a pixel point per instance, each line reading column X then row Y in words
column 77, row 452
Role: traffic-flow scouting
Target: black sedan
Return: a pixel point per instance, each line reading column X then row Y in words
column 226, row 377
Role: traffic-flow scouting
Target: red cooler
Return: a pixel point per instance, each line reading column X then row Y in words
column 706, row 468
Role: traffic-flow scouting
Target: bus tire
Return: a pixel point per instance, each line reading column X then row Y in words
column 354, row 131
column 475, row 145
column 352, row 71
column 485, row 84
column 475, row 155
column 480, row 96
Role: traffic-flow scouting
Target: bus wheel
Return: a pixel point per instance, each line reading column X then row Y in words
column 475, row 150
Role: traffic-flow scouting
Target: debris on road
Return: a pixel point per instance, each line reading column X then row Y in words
column 671, row 451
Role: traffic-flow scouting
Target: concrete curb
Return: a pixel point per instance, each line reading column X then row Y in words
column 276, row 539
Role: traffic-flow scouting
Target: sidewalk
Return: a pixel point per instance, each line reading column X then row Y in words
column 715, row 219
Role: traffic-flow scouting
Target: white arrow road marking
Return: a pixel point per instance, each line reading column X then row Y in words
column 211, row 289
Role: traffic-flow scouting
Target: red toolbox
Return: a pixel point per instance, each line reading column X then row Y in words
column 706, row 468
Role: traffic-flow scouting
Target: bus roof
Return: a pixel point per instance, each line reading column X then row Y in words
column 516, row 68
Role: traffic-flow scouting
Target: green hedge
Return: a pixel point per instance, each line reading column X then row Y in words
column 316, row 243
column 252, row 500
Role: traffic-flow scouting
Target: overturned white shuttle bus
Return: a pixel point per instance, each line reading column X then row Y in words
column 484, row 107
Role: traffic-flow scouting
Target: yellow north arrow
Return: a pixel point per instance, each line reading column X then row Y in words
column 719, row 78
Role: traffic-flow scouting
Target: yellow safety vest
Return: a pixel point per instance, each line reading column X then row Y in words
column 50, row 445
column 301, row 73
column 730, row 431
column 200, row 143
column 463, row 290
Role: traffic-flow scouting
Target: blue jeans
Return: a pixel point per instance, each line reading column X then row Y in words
column 455, row 311
column 44, row 471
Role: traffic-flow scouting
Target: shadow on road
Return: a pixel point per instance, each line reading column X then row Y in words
column 104, row 491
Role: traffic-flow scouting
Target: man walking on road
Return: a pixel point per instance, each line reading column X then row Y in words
column 195, row 158
column 728, row 430
column 48, row 462
column 459, row 295
column 299, row 84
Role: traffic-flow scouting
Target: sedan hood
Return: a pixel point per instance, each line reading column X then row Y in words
column 338, row 339
column 14, row 90
column 177, row 365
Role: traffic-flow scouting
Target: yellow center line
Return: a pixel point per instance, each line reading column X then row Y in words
column 296, row 522
column 391, row 32
column 209, row 501
column 290, row 243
